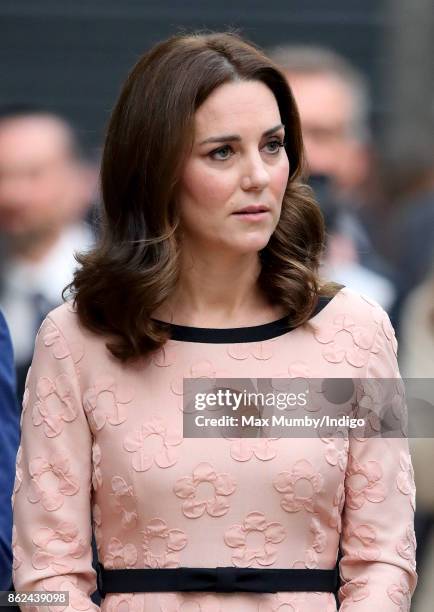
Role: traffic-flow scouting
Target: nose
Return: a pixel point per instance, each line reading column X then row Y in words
column 255, row 174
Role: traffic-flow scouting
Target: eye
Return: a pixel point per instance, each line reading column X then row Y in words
column 274, row 146
column 222, row 153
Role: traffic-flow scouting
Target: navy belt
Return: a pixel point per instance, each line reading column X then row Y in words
column 215, row 580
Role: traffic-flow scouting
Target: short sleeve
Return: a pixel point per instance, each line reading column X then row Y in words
column 378, row 567
column 52, row 493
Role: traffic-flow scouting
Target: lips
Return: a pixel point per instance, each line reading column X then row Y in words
column 252, row 210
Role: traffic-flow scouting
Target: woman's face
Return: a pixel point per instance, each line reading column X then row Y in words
column 237, row 161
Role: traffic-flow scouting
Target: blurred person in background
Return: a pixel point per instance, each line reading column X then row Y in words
column 45, row 192
column 409, row 184
column 333, row 101
column 417, row 330
column 417, row 361
column 9, row 438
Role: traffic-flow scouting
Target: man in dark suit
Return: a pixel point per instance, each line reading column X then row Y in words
column 46, row 189
column 9, row 439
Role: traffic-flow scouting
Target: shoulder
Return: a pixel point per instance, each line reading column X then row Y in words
column 354, row 308
column 65, row 319
column 357, row 315
column 354, row 330
column 63, row 332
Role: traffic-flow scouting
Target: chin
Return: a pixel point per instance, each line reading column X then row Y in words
column 253, row 244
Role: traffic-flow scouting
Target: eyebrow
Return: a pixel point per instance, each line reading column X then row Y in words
column 236, row 137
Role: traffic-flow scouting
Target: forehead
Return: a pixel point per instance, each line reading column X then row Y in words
column 321, row 97
column 31, row 138
column 235, row 107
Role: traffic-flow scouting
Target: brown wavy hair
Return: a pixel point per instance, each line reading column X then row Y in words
column 135, row 265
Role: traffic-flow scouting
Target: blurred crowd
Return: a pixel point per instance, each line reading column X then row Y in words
column 380, row 240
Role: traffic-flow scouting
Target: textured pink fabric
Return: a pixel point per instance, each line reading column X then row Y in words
column 98, row 436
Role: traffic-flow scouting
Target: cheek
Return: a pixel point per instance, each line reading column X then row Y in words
column 205, row 187
column 279, row 178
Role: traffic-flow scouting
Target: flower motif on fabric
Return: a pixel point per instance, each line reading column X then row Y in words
column 300, row 486
column 243, row 449
column 355, row 590
column 204, row 375
column 187, row 488
column 288, row 383
column 282, row 602
column 18, row 552
column 174, row 602
column 105, row 401
column 124, row 602
column 400, row 594
column 328, row 601
column 406, row 546
column 405, row 478
column 41, row 491
column 96, row 466
column 398, row 403
column 165, row 356
column 335, row 455
column 97, row 523
column 369, row 404
column 199, row 369
column 338, row 506
column 319, row 543
column 124, row 502
column 365, row 535
column 161, row 544
column 77, row 599
column 143, row 458
column 52, row 338
column 55, row 405
column 299, row 369
column 364, row 483
column 262, row 351
column 47, row 542
column 263, row 552
column 346, row 340
column 119, row 556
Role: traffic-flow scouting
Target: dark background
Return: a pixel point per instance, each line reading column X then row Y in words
column 73, row 56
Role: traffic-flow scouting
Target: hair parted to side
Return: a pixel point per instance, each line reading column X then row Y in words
column 135, row 265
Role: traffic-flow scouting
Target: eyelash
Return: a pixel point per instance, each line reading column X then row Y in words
column 212, row 154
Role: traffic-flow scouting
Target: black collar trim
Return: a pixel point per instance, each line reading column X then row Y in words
column 256, row 333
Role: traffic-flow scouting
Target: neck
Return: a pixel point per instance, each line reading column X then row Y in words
column 218, row 290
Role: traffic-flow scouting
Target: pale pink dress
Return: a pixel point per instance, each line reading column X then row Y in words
column 98, row 436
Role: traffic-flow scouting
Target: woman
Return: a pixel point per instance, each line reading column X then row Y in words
column 207, row 267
